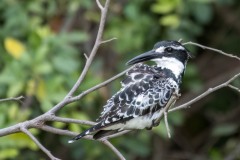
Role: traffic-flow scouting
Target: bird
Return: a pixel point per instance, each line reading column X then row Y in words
column 144, row 92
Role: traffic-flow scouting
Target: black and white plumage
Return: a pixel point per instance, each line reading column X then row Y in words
column 145, row 91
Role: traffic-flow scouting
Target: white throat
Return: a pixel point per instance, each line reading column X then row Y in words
column 170, row 63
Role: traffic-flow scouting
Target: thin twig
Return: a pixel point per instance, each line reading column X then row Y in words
column 73, row 99
column 109, row 40
column 12, row 99
column 95, row 48
column 212, row 49
column 88, row 63
column 62, row 132
column 209, row 91
column 70, row 120
column 117, row 134
column 166, row 124
column 85, row 55
column 234, row 88
column 99, row 5
column 69, row 133
column 24, row 130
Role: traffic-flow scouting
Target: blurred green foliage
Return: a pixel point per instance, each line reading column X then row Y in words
column 42, row 46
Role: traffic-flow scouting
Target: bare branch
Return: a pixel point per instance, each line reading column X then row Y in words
column 89, row 60
column 12, row 99
column 69, row 133
column 212, row 49
column 70, row 120
column 109, row 40
column 99, row 85
column 234, row 88
column 24, row 130
column 117, row 134
column 95, row 47
column 10, row 130
column 209, row 91
column 166, row 124
column 85, row 55
column 99, row 5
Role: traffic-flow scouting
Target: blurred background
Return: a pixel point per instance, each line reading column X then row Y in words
column 42, row 47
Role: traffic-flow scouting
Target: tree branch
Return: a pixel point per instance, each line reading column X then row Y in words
column 234, row 88
column 212, row 49
column 70, row 120
column 99, row 5
column 76, row 98
column 24, row 130
column 209, row 91
column 109, row 40
column 95, row 47
column 12, row 99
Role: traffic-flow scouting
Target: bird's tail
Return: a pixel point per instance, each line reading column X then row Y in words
column 88, row 131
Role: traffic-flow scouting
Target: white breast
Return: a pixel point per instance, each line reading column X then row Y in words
column 170, row 63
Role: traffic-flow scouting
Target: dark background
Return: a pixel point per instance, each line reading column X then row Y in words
column 41, row 57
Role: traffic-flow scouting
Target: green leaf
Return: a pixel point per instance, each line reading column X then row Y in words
column 165, row 6
column 58, row 124
column 171, row 20
column 75, row 127
column 15, row 89
column 19, row 140
column 65, row 63
column 43, row 68
column 6, row 153
column 46, row 104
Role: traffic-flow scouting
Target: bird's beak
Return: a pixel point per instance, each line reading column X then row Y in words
column 143, row 57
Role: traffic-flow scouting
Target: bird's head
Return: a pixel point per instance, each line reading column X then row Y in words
column 166, row 54
column 163, row 49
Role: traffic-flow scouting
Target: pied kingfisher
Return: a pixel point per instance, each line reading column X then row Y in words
column 145, row 91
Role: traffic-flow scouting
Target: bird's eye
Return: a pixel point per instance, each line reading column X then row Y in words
column 169, row 49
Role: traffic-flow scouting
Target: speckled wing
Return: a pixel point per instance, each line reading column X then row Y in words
column 143, row 91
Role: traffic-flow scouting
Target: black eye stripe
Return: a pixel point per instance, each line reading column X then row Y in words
column 169, row 49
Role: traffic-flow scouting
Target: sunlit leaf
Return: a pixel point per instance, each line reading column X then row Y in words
column 170, row 20
column 75, row 127
column 58, row 124
column 41, row 90
column 13, row 111
column 14, row 47
column 6, row 153
column 31, row 87
column 18, row 140
column 43, row 68
column 165, row 6
column 46, row 104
